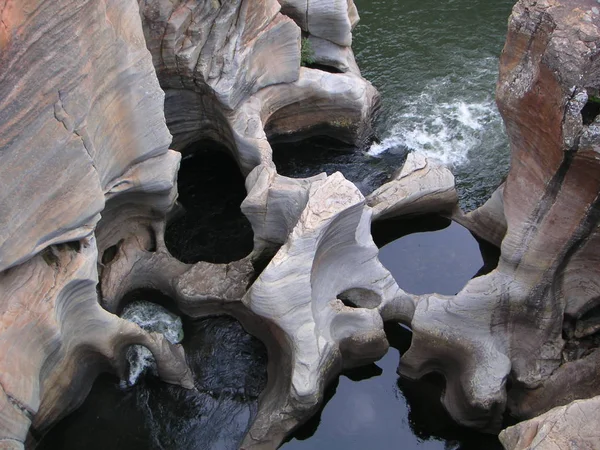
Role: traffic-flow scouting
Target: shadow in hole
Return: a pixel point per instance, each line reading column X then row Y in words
column 314, row 155
column 230, row 372
column 590, row 111
column 386, row 231
column 211, row 189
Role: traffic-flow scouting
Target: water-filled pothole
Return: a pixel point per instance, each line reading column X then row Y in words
column 432, row 254
column 211, row 189
column 371, row 407
column 309, row 157
column 230, row 372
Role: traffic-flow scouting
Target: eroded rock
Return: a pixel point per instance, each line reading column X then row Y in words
column 421, row 187
column 82, row 132
column 508, row 325
column 574, row 426
column 239, row 80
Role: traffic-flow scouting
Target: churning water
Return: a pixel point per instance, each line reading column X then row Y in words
column 153, row 318
column 435, row 64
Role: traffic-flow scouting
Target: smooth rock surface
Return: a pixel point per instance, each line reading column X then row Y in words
column 82, row 132
column 421, row 187
column 240, row 80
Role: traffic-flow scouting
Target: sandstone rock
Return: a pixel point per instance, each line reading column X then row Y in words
column 488, row 221
column 98, row 112
column 82, row 132
column 274, row 205
column 421, row 187
column 329, row 257
column 296, row 306
column 338, row 57
column 341, row 104
column 233, row 56
column 240, row 81
column 329, row 20
column 574, row 426
column 65, row 338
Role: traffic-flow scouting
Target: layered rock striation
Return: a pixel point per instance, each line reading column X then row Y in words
column 82, row 131
column 88, row 181
column 239, row 80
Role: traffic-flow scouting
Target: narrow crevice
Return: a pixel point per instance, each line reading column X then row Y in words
column 360, row 298
column 323, row 68
column 591, row 110
column 110, row 253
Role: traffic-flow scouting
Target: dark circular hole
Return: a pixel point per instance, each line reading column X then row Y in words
column 211, row 190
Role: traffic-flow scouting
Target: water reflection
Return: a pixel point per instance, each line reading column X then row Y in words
column 372, row 407
column 442, row 261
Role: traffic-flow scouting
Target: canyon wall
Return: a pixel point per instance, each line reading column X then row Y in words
column 91, row 93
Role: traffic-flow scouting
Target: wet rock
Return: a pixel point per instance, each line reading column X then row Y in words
column 421, row 187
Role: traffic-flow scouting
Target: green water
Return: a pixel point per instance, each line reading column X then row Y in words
column 435, row 64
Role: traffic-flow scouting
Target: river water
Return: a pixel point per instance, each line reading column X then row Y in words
column 435, row 64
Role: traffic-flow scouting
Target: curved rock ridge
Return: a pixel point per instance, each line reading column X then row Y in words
column 240, row 81
column 328, row 26
column 420, row 187
column 90, row 138
column 98, row 114
column 89, row 181
column 65, row 338
column 530, row 322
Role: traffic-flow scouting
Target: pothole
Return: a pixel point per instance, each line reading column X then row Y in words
column 211, row 190
column 432, row 254
column 230, row 372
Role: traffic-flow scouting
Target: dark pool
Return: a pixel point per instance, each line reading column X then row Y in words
column 373, row 407
column 229, row 369
column 211, row 189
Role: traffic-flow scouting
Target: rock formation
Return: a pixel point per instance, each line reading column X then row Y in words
column 531, row 322
column 88, row 180
column 239, row 80
column 571, row 426
column 88, row 185
column 81, row 132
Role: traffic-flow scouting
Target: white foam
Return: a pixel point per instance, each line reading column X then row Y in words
column 446, row 131
column 154, row 318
